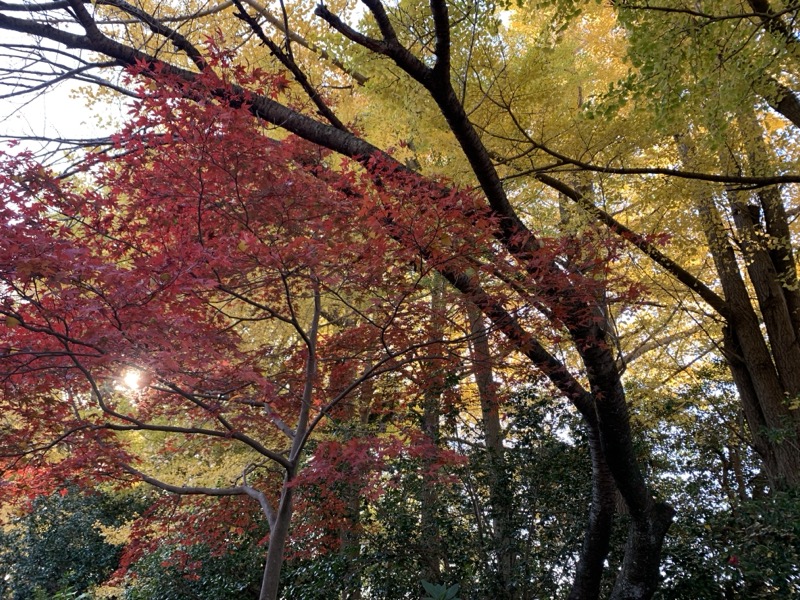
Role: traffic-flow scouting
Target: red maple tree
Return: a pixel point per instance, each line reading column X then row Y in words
column 250, row 284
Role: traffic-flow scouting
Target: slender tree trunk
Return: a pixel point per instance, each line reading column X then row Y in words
column 350, row 533
column 500, row 493
column 351, row 544
column 432, row 552
column 278, row 534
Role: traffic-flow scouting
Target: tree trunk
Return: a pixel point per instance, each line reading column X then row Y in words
column 278, row 534
column 350, row 534
column 432, row 552
column 769, row 295
column 351, row 544
column 500, row 493
column 602, row 510
column 776, row 239
column 762, row 393
column 597, row 538
column 639, row 576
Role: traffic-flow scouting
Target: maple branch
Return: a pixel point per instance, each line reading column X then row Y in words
column 184, row 490
column 307, row 337
column 254, row 304
column 266, row 505
column 100, row 397
column 63, row 338
column 310, row 372
column 49, row 445
column 258, row 447
column 279, row 423
column 372, row 371
column 194, row 399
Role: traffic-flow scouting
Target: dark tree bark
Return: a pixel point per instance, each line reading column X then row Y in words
column 762, row 392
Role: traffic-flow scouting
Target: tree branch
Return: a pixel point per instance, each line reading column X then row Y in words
column 184, row 490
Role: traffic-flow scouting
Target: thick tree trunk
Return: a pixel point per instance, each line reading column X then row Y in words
column 639, row 576
column 597, row 538
column 602, row 510
column 763, row 395
column 769, row 294
column 785, row 101
column 749, row 400
column 775, row 240
column 780, row 251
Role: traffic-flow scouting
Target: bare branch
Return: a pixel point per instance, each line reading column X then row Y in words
column 287, row 60
column 184, row 490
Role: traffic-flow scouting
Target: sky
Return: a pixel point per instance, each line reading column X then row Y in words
column 59, row 111
column 56, row 113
